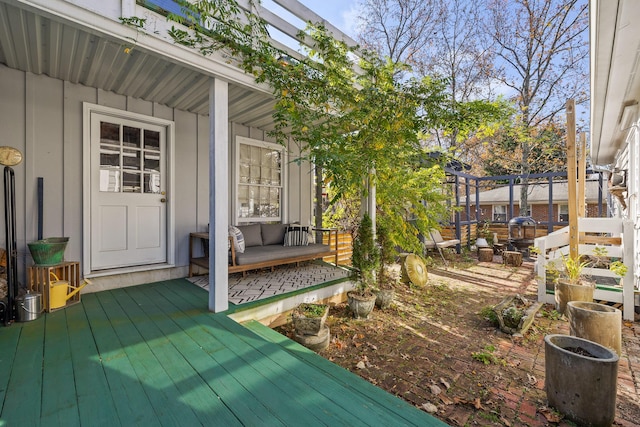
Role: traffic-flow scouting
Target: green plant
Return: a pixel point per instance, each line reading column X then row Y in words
column 553, row 314
column 490, row 315
column 366, row 255
column 573, row 268
column 487, row 357
column 387, row 255
column 311, row 309
column 618, row 268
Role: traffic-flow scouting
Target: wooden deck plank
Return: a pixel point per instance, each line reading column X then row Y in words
column 385, row 409
column 148, row 370
column 232, row 389
column 357, row 384
column 22, row 401
column 95, row 400
column 59, row 403
column 133, row 407
column 193, row 390
column 154, row 355
column 10, row 336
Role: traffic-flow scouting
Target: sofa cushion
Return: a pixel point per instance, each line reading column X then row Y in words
column 273, row 234
column 296, row 236
column 252, row 235
column 257, row 254
column 238, row 239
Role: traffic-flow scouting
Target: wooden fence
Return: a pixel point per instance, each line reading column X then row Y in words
column 345, row 248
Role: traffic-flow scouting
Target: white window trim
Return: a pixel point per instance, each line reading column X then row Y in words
column 560, row 211
column 283, row 179
column 493, row 212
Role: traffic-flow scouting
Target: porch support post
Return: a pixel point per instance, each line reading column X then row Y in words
column 218, row 195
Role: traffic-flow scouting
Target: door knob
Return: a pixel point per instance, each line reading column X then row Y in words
column 163, row 200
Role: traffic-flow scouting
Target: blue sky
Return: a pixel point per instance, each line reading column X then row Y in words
column 340, row 13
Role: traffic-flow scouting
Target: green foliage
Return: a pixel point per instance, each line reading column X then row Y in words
column 359, row 127
column 573, row 267
column 388, row 254
column 618, row 268
column 512, row 316
column 490, row 315
column 312, row 310
column 487, row 357
column 553, row 314
column 366, row 254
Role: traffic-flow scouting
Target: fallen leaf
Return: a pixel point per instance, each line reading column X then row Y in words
column 430, row 407
column 404, row 356
column 505, row 422
column 531, row 379
column 373, row 346
column 360, row 365
column 550, row 415
column 477, row 404
column 435, row 389
column 410, row 373
column 357, row 344
column 445, row 383
column 445, row 399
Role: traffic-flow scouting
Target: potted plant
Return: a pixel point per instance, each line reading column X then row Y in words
column 385, row 281
column 309, row 318
column 598, row 322
column 572, row 285
column 484, row 236
column 365, row 259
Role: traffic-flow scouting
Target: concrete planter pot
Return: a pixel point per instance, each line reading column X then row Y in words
column 581, row 379
column 527, row 312
column 305, row 325
column 596, row 322
column 565, row 292
column 361, row 305
column 384, row 298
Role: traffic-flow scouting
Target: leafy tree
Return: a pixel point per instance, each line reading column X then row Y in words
column 366, row 254
column 358, row 123
column 441, row 38
column 543, row 52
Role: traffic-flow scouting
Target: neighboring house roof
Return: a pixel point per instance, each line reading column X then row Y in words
column 615, row 75
column 538, row 193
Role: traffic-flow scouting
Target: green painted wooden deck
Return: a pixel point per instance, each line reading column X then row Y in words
column 153, row 355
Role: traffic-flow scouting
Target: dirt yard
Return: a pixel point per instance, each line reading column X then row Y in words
column 434, row 349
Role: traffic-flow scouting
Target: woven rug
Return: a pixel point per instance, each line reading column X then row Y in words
column 262, row 284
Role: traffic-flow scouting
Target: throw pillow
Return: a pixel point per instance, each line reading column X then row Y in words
column 296, row 236
column 238, row 238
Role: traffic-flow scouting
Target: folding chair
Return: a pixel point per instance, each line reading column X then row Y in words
column 435, row 241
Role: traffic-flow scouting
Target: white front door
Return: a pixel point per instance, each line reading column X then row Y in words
column 128, row 213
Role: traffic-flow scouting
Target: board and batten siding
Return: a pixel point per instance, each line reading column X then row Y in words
column 43, row 118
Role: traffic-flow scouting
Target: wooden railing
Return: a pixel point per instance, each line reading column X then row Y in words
column 615, row 234
column 345, row 249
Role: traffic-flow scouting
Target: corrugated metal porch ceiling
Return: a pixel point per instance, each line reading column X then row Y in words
column 39, row 45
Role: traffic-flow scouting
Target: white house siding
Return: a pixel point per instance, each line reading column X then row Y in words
column 43, row 118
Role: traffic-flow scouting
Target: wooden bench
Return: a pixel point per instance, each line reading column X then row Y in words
column 289, row 254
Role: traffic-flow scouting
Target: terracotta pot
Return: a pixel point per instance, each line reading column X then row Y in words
column 361, row 306
column 581, row 379
column 596, row 322
column 566, row 292
column 384, row 298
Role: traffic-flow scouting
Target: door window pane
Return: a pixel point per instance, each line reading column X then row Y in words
column 131, row 136
column 130, row 182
